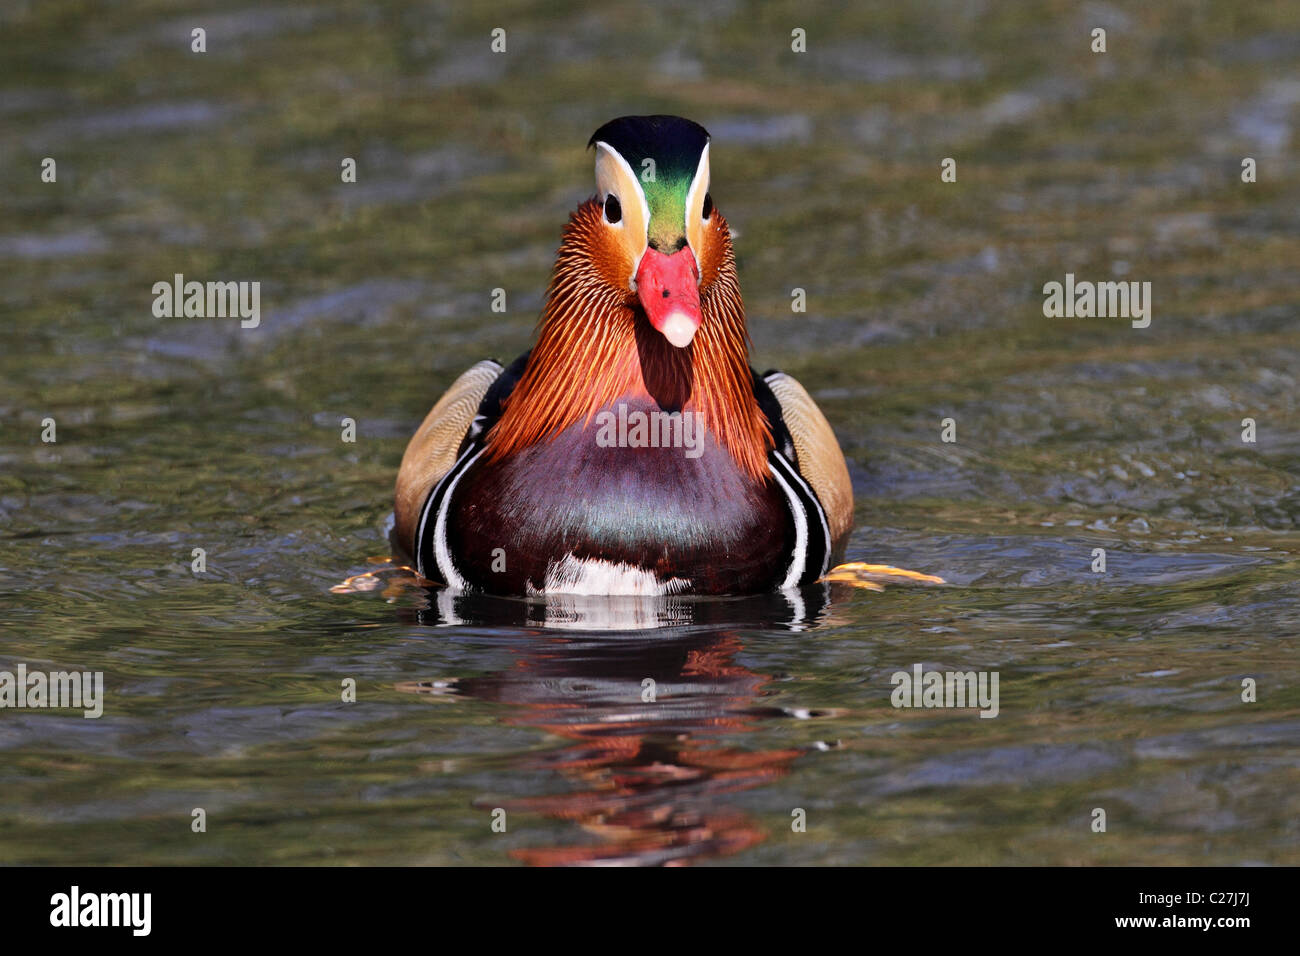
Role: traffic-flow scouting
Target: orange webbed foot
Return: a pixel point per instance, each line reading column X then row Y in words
column 873, row 577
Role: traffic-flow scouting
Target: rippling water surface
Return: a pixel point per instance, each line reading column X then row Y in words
column 1119, row 690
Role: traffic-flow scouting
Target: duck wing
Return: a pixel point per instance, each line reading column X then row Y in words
column 460, row 419
column 804, row 437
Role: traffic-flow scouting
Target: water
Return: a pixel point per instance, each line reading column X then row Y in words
column 1119, row 691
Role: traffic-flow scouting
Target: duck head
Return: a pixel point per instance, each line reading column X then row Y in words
column 662, row 236
column 643, row 302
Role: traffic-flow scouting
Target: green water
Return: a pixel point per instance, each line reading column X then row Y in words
column 1119, row 691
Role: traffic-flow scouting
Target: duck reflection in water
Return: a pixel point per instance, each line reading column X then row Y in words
column 651, row 716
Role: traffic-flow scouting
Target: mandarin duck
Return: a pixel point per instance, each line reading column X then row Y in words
column 632, row 450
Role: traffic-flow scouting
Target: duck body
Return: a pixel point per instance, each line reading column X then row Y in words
column 648, row 521
column 633, row 450
column 573, row 515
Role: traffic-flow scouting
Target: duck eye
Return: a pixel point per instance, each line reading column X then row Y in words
column 708, row 206
column 613, row 211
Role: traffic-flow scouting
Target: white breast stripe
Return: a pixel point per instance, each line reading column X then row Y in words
column 428, row 504
column 800, row 530
column 797, row 503
column 443, row 556
column 821, row 516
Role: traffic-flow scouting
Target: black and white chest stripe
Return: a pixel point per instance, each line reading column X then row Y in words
column 433, row 558
column 811, row 555
column 810, row 558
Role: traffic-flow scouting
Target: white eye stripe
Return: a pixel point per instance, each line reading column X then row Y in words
column 628, row 177
column 699, row 186
column 614, row 175
column 695, row 208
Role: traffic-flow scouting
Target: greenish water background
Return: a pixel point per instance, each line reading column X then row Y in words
column 1119, row 691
